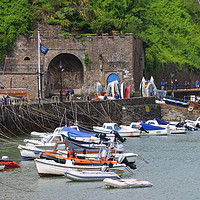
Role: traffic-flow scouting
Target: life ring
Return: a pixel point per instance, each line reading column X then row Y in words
column 190, row 108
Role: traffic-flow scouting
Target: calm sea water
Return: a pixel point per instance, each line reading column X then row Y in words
column 174, row 166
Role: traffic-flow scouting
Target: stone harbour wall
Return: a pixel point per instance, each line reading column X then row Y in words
column 22, row 119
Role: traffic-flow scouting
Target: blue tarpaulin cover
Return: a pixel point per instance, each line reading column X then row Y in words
column 149, row 127
column 161, row 122
column 74, row 133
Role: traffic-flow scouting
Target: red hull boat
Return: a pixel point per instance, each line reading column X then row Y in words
column 9, row 164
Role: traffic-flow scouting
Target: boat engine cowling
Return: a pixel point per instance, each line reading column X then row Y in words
column 102, row 137
column 123, row 159
column 118, row 136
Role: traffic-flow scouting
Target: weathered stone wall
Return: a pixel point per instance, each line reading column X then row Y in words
column 175, row 113
column 122, row 55
column 22, row 119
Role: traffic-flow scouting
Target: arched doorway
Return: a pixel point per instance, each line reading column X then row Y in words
column 66, row 71
column 113, row 77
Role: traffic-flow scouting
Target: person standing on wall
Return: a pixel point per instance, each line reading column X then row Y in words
column 175, row 84
column 163, row 84
column 67, row 94
column 71, row 92
column 197, row 83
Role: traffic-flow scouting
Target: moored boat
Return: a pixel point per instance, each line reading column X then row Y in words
column 52, row 168
column 8, row 163
column 175, row 102
column 123, row 132
column 89, row 175
column 126, row 183
column 172, row 127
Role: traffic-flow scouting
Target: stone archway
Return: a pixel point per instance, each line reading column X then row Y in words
column 113, row 77
column 71, row 75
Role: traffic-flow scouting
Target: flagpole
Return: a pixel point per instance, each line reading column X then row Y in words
column 39, row 71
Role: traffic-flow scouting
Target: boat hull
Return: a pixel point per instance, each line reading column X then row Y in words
column 9, row 164
column 29, row 152
column 52, row 168
column 89, row 175
column 121, row 133
column 126, row 183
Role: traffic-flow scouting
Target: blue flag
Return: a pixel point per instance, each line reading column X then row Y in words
column 43, row 49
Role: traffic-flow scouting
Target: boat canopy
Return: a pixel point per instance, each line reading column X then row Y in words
column 74, row 133
column 149, row 127
column 161, row 122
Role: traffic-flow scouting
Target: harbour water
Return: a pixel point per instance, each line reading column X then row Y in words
column 173, row 169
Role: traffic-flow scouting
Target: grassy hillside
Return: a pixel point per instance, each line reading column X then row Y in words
column 170, row 29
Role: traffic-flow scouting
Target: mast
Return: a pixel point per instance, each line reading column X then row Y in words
column 39, row 70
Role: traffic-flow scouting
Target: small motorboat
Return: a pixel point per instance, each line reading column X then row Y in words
column 126, row 183
column 2, row 167
column 8, row 163
column 90, row 175
column 123, row 132
column 52, row 168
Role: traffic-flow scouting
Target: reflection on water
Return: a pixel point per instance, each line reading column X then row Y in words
column 173, row 169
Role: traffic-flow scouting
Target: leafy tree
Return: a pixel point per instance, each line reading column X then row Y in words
column 170, row 29
column 16, row 19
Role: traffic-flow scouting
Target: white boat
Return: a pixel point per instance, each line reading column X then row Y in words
column 45, row 134
column 172, row 127
column 35, row 151
column 147, row 129
column 150, row 130
column 90, row 175
column 52, row 168
column 194, row 124
column 45, row 143
column 51, row 139
column 2, row 167
column 123, row 132
column 30, row 152
column 126, row 183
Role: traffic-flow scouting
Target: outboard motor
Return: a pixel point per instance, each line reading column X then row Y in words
column 104, row 168
column 142, row 129
column 189, row 128
column 118, row 136
column 197, row 125
column 180, row 124
column 102, row 137
column 123, row 159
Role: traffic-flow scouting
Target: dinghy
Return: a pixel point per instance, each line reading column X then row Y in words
column 8, row 163
column 126, row 183
column 89, row 175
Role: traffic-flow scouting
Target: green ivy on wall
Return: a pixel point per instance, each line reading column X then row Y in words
column 87, row 61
